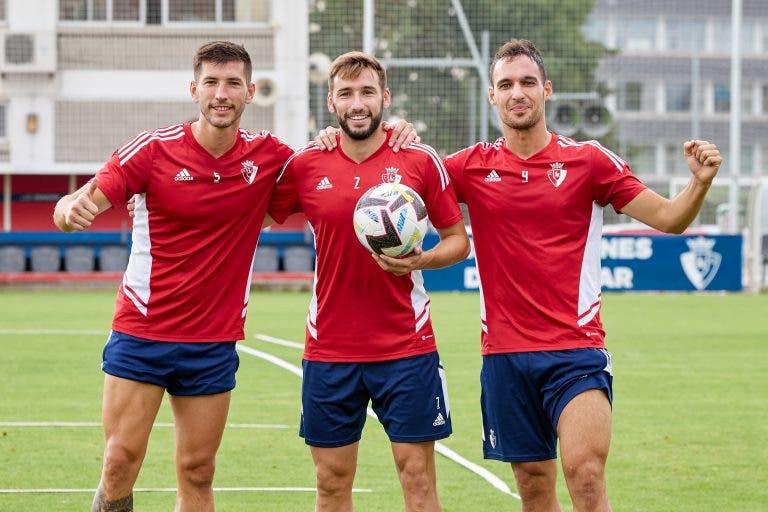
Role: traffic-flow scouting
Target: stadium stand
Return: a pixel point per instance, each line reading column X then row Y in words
column 45, row 258
column 79, row 258
column 12, row 259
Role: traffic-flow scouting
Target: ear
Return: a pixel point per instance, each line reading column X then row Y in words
column 193, row 91
column 329, row 103
column 547, row 90
column 491, row 97
column 387, row 97
column 251, row 92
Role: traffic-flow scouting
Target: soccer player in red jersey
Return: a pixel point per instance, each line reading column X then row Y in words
column 176, row 316
column 535, row 202
column 369, row 334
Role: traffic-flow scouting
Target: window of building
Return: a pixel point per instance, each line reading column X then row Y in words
column 674, row 162
column 634, row 97
column 765, row 98
column 685, row 34
column 637, row 34
column 722, row 93
column 99, row 10
column 678, row 96
column 210, row 11
column 722, row 30
column 3, row 121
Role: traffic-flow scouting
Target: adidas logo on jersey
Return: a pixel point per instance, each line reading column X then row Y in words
column 324, row 184
column 439, row 420
column 493, row 177
column 183, row 175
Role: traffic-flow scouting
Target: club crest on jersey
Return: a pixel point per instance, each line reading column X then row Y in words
column 390, row 175
column 249, row 171
column 701, row 263
column 557, row 174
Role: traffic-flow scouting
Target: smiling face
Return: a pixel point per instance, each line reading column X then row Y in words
column 358, row 103
column 518, row 91
column 222, row 91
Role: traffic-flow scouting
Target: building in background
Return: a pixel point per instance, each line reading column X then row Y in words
column 80, row 77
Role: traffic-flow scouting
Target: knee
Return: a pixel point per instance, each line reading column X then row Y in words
column 334, row 479
column 586, row 479
column 196, row 472
column 535, row 482
column 120, row 462
column 414, row 475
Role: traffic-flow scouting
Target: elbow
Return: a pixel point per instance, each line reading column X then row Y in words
column 465, row 250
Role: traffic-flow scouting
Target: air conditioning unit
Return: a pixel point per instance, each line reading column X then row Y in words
column 28, row 52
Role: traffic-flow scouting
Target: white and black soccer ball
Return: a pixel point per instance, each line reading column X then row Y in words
column 390, row 219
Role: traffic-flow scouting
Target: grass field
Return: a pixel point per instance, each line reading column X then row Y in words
column 689, row 431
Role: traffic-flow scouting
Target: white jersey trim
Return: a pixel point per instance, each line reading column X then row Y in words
column 419, row 300
column 589, row 278
column 429, row 150
column 618, row 162
column 138, row 273
column 172, row 133
column 311, row 147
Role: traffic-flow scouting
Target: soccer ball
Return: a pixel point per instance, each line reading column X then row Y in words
column 390, row 219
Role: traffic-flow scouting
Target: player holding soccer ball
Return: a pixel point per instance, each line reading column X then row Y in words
column 369, row 334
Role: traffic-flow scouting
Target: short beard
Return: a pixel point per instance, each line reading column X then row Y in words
column 360, row 135
column 525, row 124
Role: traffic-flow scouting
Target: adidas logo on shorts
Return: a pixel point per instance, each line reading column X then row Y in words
column 439, row 420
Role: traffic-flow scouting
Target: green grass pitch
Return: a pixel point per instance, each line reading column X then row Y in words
column 689, row 429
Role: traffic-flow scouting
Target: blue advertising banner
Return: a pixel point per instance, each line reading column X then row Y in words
column 636, row 262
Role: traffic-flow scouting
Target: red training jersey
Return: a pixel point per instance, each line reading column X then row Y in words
column 358, row 311
column 196, row 225
column 536, row 228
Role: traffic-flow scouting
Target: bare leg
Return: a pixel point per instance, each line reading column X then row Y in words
column 584, row 430
column 200, row 422
column 335, row 470
column 129, row 408
column 536, row 483
column 415, row 463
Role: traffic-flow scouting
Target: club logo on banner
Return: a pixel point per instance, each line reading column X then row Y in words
column 700, row 263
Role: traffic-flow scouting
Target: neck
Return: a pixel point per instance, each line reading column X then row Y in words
column 216, row 141
column 359, row 150
column 526, row 143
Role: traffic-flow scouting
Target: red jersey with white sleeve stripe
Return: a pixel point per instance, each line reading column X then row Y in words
column 536, row 228
column 358, row 311
column 196, row 225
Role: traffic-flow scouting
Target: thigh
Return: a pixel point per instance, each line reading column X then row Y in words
column 584, row 428
column 336, row 462
column 334, row 401
column 129, row 409
column 410, row 398
column 415, row 455
column 199, row 423
column 516, row 427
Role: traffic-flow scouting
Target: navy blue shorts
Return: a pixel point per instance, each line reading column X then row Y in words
column 524, row 393
column 183, row 369
column 408, row 395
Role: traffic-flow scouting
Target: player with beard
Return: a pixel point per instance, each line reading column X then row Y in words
column 535, row 202
column 369, row 334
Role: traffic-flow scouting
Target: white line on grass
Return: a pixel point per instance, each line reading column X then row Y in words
column 80, row 424
column 172, row 489
column 492, row 479
column 278, row 341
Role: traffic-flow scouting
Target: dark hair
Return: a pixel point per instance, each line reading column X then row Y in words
column 221, row 52
column 514, row 48
column 351, row 64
